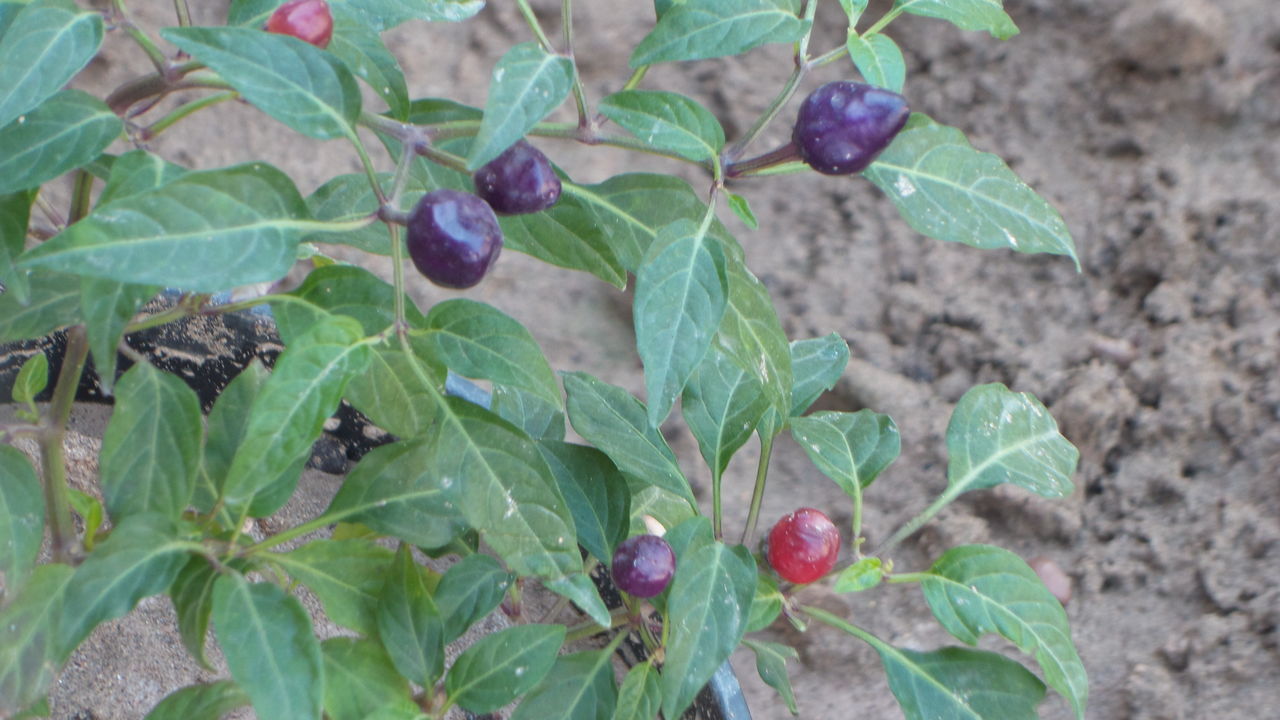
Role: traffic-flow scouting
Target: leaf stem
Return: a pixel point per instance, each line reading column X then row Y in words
column 899, row 578
column 126, row 23
column 183, row 111
column 840, row 623
column 619, row 617
column 184, row 13
column 757, row 495
column 61, row 530
column 884, row 21
column 532, row 20
column 916, row 522
column 81, row 195
column 579, row 91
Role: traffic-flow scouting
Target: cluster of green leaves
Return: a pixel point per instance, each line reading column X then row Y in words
column 462, row 477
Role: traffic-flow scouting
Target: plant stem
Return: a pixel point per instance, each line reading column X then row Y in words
column 184, row 13
column 579, row 92
column 636, row 76
column 908, row 577
column 829, row 56
column 183, row 111
column 81, row 195
column 535, row 26
column 717, row 524
column 367, row 163
column 884, row 21
column 916, row 522
column 618, row 618
column 762, row 473
column 840, row 623
column 61, row 530
column 777, row 156
column 153, row 51
column 157, row 84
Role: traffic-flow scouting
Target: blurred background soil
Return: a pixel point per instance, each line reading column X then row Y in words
column 1152, row 125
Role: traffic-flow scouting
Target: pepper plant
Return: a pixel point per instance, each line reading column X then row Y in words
column 494, row 483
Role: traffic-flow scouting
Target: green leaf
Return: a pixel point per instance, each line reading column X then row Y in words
column 350, row 197
column 32, row 379
column 192, row 596
column 986, row 15
column 998, row 436
column 854, row 9
column 680, row 298
column 64, row 132
column 766, row 605
column 503, row 666
column 850, row 448
column 107, row 307
column 21, row 518
column 90, row 511
column 8, row 11
column 567, row 235
column 700, row 29
column 347, row 576
column 668, row 121
column 365, row 55
column 526, row 85
column 722, row 405
column 289, row 412
column 596, row 493
column 53, row 302
column 141, row 558
column 640, row 696
column 342, row 290
column 271, row 651
column 666, row 507
column 151, row 447
column 689, row 535
column 630, row 209
column 506, row 491
column 398, row 391
column 409, row 623
column 469, row 590
column 531, row 413
column 226, row 425
column 46, row 44
column 206, row 231
column 751, row 336
column 302, row 86
column 383, row 15
column 135, row 172
column 947, row 190
column 960, row 683
column 862, row 575
column 359, row 680
column 617, row 423
column 15, row 215
column 879, row 59
column 476, row 340
column 771, row 663
column 709, row 600
column 29, row 649
column 580, row 686
column 742, row 209
column 816, row 365
column 200, row 702
column 583, row 592
column 979, row 589
column 396, row 490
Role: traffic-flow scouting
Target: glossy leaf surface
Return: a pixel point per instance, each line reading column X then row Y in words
column 503, row 666
column 469, row 590
column 711, row 594
column 699, row 29
column 206, row 231
column 986, row 15
column 347, row 576
column 979, row 589
column 526, row 85
column 640, row 696
column 816, row 366
column 667, row 120
column 596, row 493
column 359, row 680
column 946, row 189
column 409, row 623
column 681, row 293
column 617, row 423
column 771, row 664
column 271, row 651
column 30, row 652
column 365, row 55
column 64, row 132
column 107, row 307
column 53, row 302
column 45, row 45
column 21, row 519
column 752, row 337
column 579, row 687
column 151, row 447
column 302, row 86
column 200, row 702
column 850, row 448
column 722, row 405
column 879, row 59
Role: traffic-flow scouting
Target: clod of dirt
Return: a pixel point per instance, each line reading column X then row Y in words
column 1165, row 35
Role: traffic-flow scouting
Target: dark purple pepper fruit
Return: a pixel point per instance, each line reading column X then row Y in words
column 518, row 181
column 643, row 565
column 842, row 126
column 453, row 238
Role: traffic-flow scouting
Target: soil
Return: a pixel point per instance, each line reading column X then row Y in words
column 1154, row 126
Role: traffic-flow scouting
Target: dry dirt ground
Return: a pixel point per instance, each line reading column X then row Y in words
column 1154, row 126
